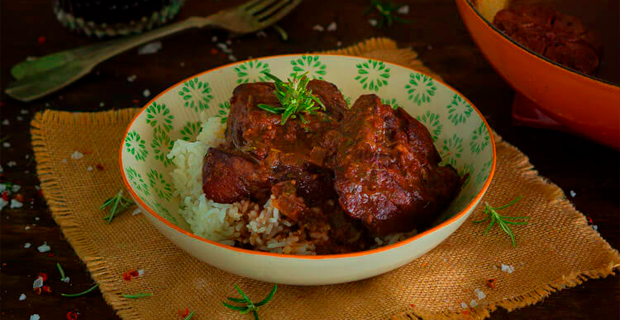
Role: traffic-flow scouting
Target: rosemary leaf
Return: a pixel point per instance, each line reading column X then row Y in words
column 502, row 221
column 75, row 295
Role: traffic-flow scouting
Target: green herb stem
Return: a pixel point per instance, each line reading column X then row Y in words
column 62, row 272
column 249, row 305
column 117, row 204
column 75, row 295
column 502, row 221
column 189, row 316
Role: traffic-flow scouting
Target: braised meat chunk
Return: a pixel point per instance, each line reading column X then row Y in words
column 387, row 169
column 559, row 37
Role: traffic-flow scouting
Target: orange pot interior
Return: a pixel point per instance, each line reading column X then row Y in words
column 583, row 104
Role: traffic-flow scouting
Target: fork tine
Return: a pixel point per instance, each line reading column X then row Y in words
column 262, row 6
column 272, row 16
column 249, row 5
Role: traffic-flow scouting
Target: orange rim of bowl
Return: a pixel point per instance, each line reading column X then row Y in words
column 442, row 225
column 588, row 77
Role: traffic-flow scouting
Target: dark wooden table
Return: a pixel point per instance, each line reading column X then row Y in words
column 436, row 32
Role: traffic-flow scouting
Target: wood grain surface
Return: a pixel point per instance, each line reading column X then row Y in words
column 29, row 28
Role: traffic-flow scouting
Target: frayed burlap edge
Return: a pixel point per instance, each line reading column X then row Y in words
column 520, row 300
column 63, row 215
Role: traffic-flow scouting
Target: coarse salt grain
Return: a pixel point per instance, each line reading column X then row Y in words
column 11, row 164
column 27, row 228
column 38, row 283
column 19, row 118
column 6, row 145
column 473, row 303
column 332, row 27
column 22, row 297
column 573, row 193
column 66, row 279
column 132, row 78
column 35, row 317
column 76, row 155
column 507, row 268
column 463, row 305
column 101, row 104
column 27, row 245
column 595, row 227
column 90, row 168
column 373, row 22
column 15, row 188
column 480, row 294
column 339, row 43
column 5, row 122
column 224, row 48
column 1, row 169
column 3, row 204
column 228, row 42
column 141, row 272
column 150, row 48
column 261, row 34
column 232, row 58
column 44, row 247
column 63, row 161
column 23, row 111
column 16, row 204
column 146, row 93
column 182, row 64
column 136, row 212
column 403, row 10
column 318, row 28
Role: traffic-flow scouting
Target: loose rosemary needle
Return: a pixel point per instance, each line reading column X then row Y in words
column 62, row 272
column 249, row 305
column 75, row 295
column 117, row 204
column 502, row 221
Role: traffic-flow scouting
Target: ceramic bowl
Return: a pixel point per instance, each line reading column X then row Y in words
column 548, row 94
column 460, row 133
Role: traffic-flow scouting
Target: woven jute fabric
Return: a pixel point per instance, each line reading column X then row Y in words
column 557, row 249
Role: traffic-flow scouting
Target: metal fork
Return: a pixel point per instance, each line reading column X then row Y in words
column 50, row 73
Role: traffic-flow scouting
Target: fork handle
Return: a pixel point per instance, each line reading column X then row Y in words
column 111, row 48
column 91, row 55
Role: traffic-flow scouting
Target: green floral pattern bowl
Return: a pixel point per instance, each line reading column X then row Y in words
column 460, row 133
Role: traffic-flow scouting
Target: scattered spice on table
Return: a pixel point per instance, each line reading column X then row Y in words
column 72, row 315
column 249, row 305
column 502, row 221
column 99, row 166
column 491, row 283
column 22, row 297
column 41, row 40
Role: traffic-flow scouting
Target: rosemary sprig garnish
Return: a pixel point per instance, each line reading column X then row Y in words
column 249, row 305
column 137, row 295
column 62, row 272
column 75, row 295
column 117, row 204
column 295, row 98
column 387, row 11
column 502, row 221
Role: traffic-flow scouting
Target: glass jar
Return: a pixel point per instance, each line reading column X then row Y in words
column 110, row 18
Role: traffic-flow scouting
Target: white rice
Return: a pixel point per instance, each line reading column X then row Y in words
column 242, row 222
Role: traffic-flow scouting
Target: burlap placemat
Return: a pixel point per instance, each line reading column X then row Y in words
column 557, row 249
